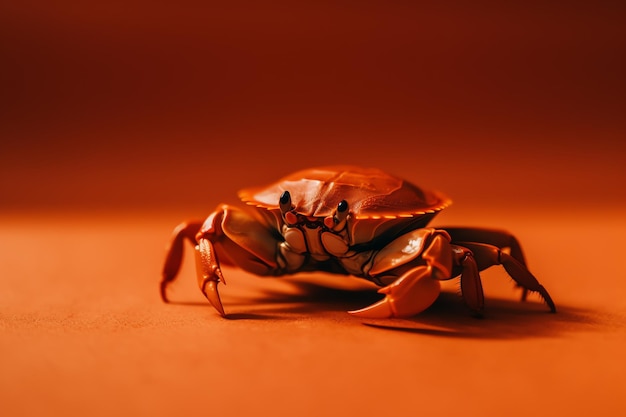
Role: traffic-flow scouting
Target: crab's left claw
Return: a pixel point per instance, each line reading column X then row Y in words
column 409, row 295
column 211, row 293
column 209, row 274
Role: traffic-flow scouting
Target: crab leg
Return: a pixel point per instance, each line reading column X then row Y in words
column 498, row 238
column 488, row 255
column 175, row 251
column 471, row 286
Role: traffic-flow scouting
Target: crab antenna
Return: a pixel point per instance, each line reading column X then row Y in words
column 285, row 202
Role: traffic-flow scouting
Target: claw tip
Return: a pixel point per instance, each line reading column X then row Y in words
column 380, row 310
column 211, row 293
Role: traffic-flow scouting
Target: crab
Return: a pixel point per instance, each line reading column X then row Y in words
column 349, row 220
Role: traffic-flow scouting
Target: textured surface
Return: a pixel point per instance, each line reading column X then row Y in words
column 84, row 332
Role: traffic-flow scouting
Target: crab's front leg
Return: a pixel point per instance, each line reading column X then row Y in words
column 228, row 236
column 411, row 266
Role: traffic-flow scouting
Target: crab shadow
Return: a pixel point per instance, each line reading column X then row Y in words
column 447, row 317
column 502, row 319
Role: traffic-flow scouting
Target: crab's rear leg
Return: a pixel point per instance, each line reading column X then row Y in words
column 229, row 236
column 495, row 237
column 487, row 255
column 499, row 238
column 184, row 231
column 471, row 285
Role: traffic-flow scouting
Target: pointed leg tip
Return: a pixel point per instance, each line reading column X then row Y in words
column 546, row 297
column 211, row 293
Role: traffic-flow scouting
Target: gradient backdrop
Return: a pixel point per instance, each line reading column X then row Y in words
column 152, row 103
column 118, row 119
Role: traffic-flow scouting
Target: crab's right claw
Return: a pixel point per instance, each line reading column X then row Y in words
column 409, row 295
column 209, row 274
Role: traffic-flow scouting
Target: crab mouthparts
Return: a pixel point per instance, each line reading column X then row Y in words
column 313, row 223
column 310, row 222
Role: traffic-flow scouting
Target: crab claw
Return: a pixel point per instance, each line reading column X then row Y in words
column 209, row 274
column 409, row 295
column 211, row 293
column 380, row 310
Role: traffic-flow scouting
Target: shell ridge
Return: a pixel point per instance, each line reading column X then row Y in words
column 371, row 193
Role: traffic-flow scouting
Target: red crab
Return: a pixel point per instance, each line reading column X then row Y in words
column 349, row 220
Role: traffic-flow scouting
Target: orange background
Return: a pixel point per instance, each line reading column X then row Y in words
column 118, row 120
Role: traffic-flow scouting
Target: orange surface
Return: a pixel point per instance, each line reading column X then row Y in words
column 120, row 120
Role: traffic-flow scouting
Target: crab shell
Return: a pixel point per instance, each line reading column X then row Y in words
column 381, row 205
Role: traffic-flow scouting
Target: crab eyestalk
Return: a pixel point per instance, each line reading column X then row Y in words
column 285, row 202
column 342, row 211
column 286, row 208
column 338, row 220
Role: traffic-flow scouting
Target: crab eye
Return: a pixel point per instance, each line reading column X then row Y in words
column 342, row 211
column 285, row 202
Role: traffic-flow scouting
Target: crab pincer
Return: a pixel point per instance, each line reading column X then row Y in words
column 405, row 297
column 209, row 274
